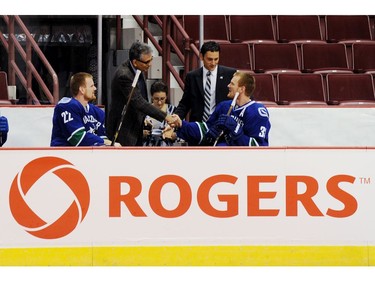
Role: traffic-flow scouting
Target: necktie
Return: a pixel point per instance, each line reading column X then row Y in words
column 142, row 87
column 207, row 97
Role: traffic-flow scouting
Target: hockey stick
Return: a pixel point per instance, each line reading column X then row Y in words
column 233, row 103
column 126, row 106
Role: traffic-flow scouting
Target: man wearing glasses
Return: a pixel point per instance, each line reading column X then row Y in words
column 131, row 131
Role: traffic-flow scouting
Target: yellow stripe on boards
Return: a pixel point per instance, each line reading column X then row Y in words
column 46, row 256
column 191, row 256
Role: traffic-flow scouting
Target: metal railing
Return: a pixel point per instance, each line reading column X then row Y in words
column 171, row 30
column 12, row 45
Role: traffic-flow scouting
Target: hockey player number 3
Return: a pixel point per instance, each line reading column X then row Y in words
column 263, row 131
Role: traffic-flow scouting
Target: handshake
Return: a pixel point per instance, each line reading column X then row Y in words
column 225, row 125
column 174, row 121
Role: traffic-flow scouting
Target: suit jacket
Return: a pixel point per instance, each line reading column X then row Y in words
column 193, row 97
column 131, row 132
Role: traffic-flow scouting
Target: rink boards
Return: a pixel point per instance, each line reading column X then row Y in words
column 187, row 206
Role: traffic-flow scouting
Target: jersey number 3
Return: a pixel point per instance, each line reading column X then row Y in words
column 263, row 131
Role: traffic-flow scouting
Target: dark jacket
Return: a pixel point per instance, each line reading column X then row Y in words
column 193, row 97
column 131, row 132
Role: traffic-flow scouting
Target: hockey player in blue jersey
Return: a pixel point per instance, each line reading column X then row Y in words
column 76, row 121
column 4, row 128
column 246, row 124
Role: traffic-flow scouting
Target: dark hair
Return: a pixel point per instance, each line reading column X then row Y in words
column 159, row 86
column 210, row 46
column 138, row 49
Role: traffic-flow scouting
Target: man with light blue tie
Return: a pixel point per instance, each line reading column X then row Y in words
column 206, row 86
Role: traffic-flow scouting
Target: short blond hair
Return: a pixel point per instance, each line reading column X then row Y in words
column 78, row 80
column 246, row 80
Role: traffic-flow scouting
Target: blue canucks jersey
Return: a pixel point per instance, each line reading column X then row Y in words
column 75, row 125
column 253, row 117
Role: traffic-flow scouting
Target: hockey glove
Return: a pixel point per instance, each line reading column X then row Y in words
column 230, row 126
column 212, row 134
column 4, row 128
column 226, row 123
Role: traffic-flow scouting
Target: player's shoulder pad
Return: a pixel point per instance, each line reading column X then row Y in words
column 65, row 100
column 262, row 110
column 69, row 104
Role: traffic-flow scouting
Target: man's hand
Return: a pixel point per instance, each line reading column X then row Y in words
column 148, row 122
column 168, row 133
column 146, row 133
column 173, row 120
column 107, row 142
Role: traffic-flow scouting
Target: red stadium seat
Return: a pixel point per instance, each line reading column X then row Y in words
column 275, row 58
column 347, row 28
column 236, row 55
column 350, row 89
column 215, row 28
column 300, row 89
column 264, row 89
column 363, row 55
column 298, row 29
column 252, row 29
column 324, row 58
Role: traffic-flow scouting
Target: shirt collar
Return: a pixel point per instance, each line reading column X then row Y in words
column 213, row 72
column 134, row 69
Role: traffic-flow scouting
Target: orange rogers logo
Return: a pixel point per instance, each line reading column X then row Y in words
column 24, row 181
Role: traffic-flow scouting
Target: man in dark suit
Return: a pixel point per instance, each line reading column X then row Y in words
column 131, row 132
column 193, row 99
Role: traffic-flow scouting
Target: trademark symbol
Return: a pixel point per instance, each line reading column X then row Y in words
column 363, row 180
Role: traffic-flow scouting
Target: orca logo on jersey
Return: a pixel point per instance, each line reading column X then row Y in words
column 29, row 182
column 263, row 112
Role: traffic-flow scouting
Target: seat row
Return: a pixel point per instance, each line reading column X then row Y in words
column 314, row 89
column 296, row 29
column 308, row 57
column 282, row 28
